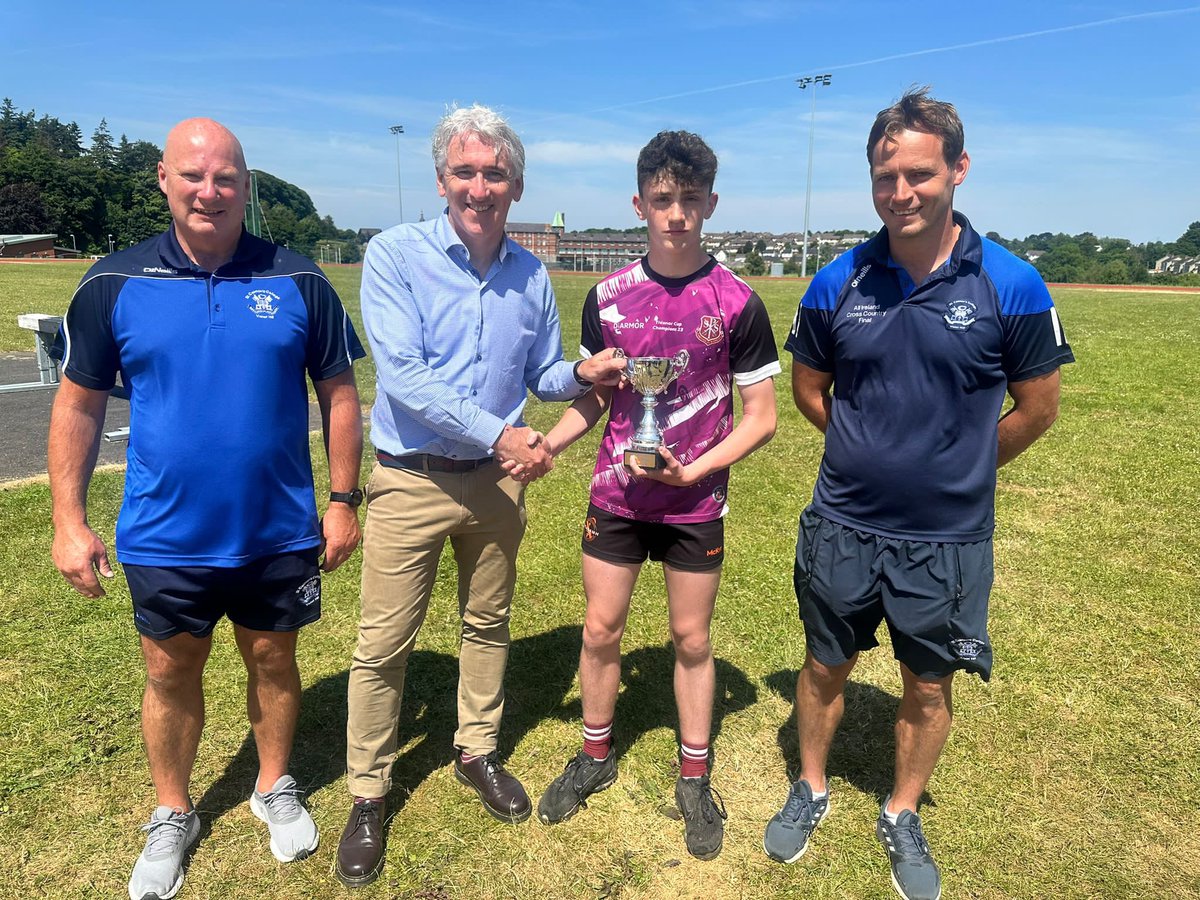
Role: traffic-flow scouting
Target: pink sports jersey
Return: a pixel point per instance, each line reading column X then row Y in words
column 722, row 324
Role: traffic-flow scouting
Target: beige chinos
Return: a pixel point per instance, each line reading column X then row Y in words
column 410, row 515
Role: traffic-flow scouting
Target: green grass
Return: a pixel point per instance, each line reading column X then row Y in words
column 1074, row 773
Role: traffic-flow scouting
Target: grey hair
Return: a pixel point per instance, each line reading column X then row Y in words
column 486, row 124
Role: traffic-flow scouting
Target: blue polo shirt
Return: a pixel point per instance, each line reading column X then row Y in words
column 218, row 464
column 920, row 373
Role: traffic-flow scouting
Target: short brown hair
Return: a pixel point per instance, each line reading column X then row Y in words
column 917, row 111
column 679, row 155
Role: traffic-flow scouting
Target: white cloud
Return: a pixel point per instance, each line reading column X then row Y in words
column 580, row 153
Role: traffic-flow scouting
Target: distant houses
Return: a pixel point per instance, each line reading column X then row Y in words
column 606, row 251
column 1177, row 265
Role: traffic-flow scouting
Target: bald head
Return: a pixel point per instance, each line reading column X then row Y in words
column 207, row 133
column 203, row 173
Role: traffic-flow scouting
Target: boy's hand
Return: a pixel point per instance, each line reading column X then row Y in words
column 673, row 472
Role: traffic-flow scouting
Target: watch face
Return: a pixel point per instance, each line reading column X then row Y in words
column 353, row 498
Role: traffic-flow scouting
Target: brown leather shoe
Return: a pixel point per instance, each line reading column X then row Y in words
column 499, row 792
column 360, row 851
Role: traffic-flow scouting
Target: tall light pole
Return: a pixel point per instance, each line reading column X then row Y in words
column 398, row 130
column 110, row 244
column 803, row 83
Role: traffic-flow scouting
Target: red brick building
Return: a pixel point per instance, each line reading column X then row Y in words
column 27, row 246
column 539, row 239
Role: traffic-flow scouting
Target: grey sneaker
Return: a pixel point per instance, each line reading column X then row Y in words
column 787, row 834
column 293, row 832
column 158, row 872
column 568, row 793
column 703, row 819
column 914, row 873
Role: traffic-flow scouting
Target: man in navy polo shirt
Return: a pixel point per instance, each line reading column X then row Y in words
column 904, row 349
column 213, row 332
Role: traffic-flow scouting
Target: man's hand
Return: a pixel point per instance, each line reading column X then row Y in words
column 604, row 368
column 79, row 554
column 673, row 472
column 523, row 453
column 340, row 534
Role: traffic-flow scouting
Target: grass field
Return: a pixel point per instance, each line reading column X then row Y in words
column 1074, row 773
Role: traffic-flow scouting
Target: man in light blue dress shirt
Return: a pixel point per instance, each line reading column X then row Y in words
column 462, row 322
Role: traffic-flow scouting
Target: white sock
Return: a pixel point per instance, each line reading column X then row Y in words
column 892, row 817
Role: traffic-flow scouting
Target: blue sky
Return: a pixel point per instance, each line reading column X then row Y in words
column 1079, row 116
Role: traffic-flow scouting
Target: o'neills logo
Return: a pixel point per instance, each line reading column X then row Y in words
column 859, row 277
column 263, row 304
column 709, row 332
column 589, row 528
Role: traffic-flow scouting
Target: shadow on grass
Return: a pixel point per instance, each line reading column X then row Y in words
column 864, row 747
column 648, row 701
column 541, row 669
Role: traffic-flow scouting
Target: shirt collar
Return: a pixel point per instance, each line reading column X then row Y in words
column 171, row 252
column 968, row 248
column 447, row 238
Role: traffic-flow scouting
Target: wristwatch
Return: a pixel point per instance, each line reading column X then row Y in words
column 354, row 498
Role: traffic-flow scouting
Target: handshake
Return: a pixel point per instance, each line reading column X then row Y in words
column 526, row 455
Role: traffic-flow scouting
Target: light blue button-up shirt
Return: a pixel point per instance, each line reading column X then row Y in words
column 454, row 352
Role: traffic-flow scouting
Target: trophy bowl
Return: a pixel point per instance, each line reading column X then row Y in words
column 651, row 376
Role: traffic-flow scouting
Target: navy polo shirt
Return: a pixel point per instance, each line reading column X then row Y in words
column 218, row 464
column 920, row 374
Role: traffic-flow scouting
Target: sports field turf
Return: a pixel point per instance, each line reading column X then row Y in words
column 1074, row 773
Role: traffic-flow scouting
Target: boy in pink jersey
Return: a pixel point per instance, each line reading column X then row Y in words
column 676, row 298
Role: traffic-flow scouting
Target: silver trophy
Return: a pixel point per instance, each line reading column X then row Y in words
column 650, row 376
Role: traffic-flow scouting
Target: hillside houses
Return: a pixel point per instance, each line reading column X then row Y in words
column 730, row 247
column 1177, row 265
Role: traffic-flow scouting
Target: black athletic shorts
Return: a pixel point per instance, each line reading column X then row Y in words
column 692, row 546
column 933, row 596
column 273, row 593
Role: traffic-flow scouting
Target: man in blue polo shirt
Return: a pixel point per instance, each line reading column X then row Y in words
column 213, row 332
column 904, row 349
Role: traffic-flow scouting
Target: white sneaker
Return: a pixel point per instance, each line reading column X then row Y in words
column 158, row 872
column 293, row 832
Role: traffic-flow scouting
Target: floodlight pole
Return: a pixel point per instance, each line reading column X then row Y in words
column 803, row 83
column 398, row 130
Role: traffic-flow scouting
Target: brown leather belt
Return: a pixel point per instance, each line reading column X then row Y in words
column 427, row 462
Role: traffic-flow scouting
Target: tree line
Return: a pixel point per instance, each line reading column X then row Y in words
column 105, row 196
column 1088, row 259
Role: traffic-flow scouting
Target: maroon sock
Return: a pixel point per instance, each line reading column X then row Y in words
column 597, row 739
column 693, row 761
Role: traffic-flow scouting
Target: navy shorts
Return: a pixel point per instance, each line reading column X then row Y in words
column 690, row 546
column 273, row 593
column 933, row 596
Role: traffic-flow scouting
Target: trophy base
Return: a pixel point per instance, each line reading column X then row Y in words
column 647, row 459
